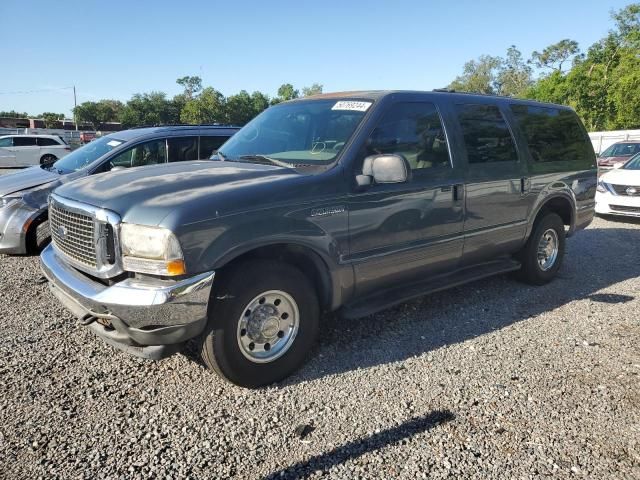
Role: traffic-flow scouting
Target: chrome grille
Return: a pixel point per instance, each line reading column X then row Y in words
column 622, row 190
column 73, row 234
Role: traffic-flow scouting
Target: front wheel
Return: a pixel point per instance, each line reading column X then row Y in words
column 543, row 253
column 263, row 321
column 48, row 159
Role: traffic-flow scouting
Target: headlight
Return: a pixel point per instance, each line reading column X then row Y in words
column 151, row 250
column 602, row 188
column 9, row 199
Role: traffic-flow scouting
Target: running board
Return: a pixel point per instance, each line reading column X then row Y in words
column 397, row 295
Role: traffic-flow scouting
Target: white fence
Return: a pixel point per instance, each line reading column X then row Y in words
column 602, row 140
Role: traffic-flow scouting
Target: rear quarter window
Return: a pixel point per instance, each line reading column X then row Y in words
column 555, row 138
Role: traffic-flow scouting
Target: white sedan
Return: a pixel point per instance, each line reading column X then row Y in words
column 618, row 190
column 28, row 150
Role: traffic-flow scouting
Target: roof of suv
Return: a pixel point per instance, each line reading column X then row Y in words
column 134, row 133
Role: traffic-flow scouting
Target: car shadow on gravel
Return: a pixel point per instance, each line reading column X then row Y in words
column 359, row 447
column 594, row 261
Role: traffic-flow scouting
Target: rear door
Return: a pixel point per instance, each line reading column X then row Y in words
column 496, row 182
column 7, row 152
column 407, row 231
column 27, row 150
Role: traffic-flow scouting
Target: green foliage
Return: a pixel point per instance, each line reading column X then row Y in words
column 479, row 76
column 208, row 107
column 242, row 107
column 14, row 114
column 514, row 74
column 192, row 86
column 554, row 56
column 315, row 89
column 285, row 92
column 97, row 113
column 149, row 109
column 51, row 119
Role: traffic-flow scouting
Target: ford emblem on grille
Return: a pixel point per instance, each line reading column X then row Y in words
column 631, row 191
column 62, row 232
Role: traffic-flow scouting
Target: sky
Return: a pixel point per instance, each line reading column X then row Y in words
column 114, row 49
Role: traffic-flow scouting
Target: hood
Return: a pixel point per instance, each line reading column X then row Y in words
column 622, row 177
column 25, row 179
column 146, row 195
column 612, row 160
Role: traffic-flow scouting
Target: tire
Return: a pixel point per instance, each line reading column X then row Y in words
column 39, row 235
column 255, row 290
column 537, row 270
column 48, row 158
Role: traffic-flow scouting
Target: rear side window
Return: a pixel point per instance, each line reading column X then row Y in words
column 46, row 142
column 554, row 135
column 414, row 130
column 182, row 148
column 6, row 142
column 24, row 141
column 486, row 135
column 210, row 145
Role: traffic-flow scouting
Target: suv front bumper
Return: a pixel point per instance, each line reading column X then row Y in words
column 149, row 318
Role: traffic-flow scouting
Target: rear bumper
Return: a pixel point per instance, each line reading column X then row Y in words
column 150, row 318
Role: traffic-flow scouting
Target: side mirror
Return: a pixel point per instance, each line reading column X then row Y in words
column 385, row 168
column 118, row 169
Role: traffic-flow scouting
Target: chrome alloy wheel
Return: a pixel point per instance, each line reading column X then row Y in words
column 268, row 326
column 548, row 249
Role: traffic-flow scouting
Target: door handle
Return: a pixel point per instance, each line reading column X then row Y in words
column 458, row 192
column 524, row 185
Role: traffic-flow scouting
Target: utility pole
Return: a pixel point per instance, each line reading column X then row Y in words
column 75, row 104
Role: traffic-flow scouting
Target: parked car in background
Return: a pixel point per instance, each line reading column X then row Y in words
column 86, row 137
column 23, row 195
column 619, row 190
column 618, row 154
column 353, row 201
column 28, row 150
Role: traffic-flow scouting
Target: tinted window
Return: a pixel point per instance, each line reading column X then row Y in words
column 6, row 142
column 413, row 130
column 486, row 135
column 553, row 134
column 183, row 148
column 24, row 141
column 86, row 154
column 44, row 142
column 210, row 145
column 148, row 153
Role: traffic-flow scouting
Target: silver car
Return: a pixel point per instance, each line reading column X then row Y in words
column 28, row 150
column 24, row 226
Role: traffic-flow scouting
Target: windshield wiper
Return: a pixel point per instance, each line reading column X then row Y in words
column 265, row 160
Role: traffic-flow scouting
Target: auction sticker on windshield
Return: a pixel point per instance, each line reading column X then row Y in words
column 113, row 143
column 351, row 105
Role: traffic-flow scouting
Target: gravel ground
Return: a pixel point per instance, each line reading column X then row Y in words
column 494, row 379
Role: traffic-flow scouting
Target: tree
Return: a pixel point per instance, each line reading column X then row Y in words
column 314, row 89
column 208, row 107
column 555, row 55
column 97, row 113
column 479, row 76
column 51, row 119
column 149, row 109
column 239, row 108
column 285, row 92
column 14, row 114
column 514, row 74
column 192, row 86
column 260, row 102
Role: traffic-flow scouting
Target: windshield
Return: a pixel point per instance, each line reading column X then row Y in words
column 298, row 134
column 633, row 164
column 83, row 156
column 621, row 150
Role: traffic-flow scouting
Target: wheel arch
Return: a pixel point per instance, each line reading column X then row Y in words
column 562, row 204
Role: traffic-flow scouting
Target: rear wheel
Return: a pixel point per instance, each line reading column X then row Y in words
column 263, row 320
column 543, row 253
column 47, row 159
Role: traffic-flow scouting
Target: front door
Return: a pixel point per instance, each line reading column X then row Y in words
column 407, row 231
column 496, row 183
column 7, row 152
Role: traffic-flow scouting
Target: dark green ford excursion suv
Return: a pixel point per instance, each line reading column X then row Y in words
column 352, row 201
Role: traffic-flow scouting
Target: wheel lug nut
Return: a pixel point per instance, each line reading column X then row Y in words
column 252, row 346
column 280, row 334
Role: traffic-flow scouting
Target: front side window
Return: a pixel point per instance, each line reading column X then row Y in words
column 6, row 142
column 553, row 134
column 621, row 150
column 85, row 155
column 413, row 130
column 486, row 135
column 182, row 148
column 308, row 133
column 46, row 142
column 147, row 153
column 24, row 141
column 210, row 145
